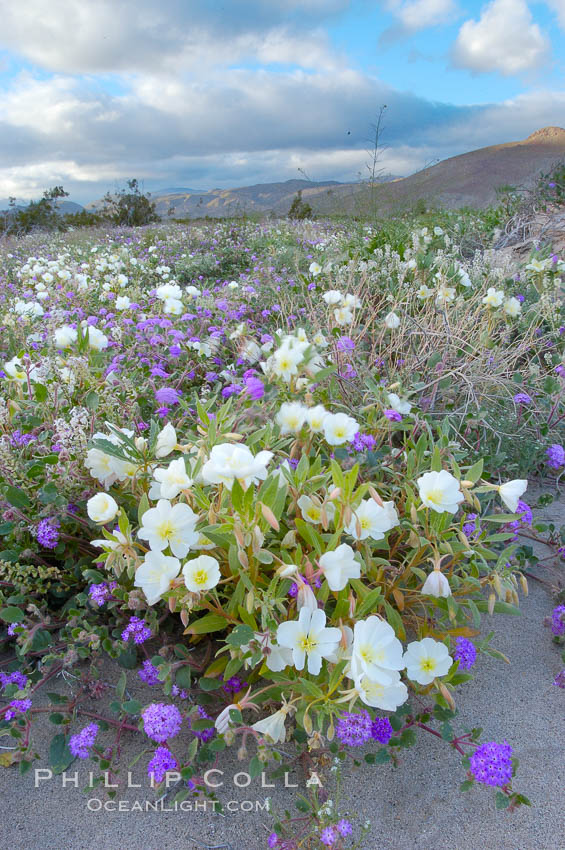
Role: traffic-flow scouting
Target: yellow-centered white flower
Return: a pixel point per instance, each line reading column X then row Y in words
column 201, row 574
column 312, row 512
column 440, row 491
column 309, row 638
column 155, row 575
column 339, row 428
column 494, row 297
column 376, row 652
column 426, row 659
column 291, row 417
column 166, row 441
column 386, row 697
column 228, row 462
column 172, row 479
column 102, row 508
column 372, row 520
column 169, row 525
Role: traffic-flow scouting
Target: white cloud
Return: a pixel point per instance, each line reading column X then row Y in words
column 415, row 15
column 558, row 6
column 504, row 39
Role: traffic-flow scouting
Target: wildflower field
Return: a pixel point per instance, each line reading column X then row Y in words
column 278, row 471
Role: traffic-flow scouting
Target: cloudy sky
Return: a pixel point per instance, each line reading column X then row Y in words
column 223, row 93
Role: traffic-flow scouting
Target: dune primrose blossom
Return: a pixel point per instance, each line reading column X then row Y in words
column 440, row 491
column 436, row 584
column 511, row 491
column 309, row 638
column 169, row 525
column 372, row 520
column 339, row 566
column 426, row 659
column 228, row 462
column 376, row 651
column 339, row 428
column 155, row 575
column 201, row 574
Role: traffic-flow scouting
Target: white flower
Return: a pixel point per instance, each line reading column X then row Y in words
column 339, row 566
column 168, row 525
column 203, row 573
column 173, row 306
column 96, row 339
column 251, row 351
column 308, row 636
column 398, row 404
column 14, row 370
column 314, row 269
column 424, row 292
column 376, row 651
column 273, row 725
column 65, row 336
column 512, row 307
column 193, row 291
column 511, row 492
column 320, row 340
column 374, row 520
column 276, row 657
column 291, row 417
column 438, row 231
column 228, row 462
column 350, row 300
column 101, row 508
column 312, row 512
column 155, row 575
column 445, row 294
column 173, row 479
column 339, row 428
column 284, row 362
column 464, row 278
column 233, row 284
column 494, row 297
column 169, row 290
column 426, row 659
column 392, row 321
column 315, row 417
column 122, row 302
column 436, row 584
column 166, row 441
column 343, row 315
column 223, row 721
column 386, row 697
column 440, row 491
column 332, row 296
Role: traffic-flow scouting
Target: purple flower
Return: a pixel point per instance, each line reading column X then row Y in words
column 161, row 721
column 392, row 415
column 472, row 528
column 560, row 679
column 254, row 388
column 363, row 442
column 47, row 534
column 558, row 621
column 354, row 729
column 138, row 629
column 465, row 653
column 522, row 398
column 491, row 763
column 168, row 395
column 149, row 673
column 162, row 761
column 328, row 836
column 344, row 827
column 17, row 706
column 233, row 685
column 15, row 678
column 555, row 456
column 272, row 840
column 345, row 343
column 207, row 733
column 101, row 593
column 381, row 730
column 80, row 744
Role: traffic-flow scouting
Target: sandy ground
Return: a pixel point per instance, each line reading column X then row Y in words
column 415, row 805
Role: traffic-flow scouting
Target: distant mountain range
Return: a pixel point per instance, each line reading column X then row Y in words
column 470, row 179
column 62, row 207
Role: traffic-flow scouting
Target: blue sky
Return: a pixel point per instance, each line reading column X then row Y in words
column 213, row 93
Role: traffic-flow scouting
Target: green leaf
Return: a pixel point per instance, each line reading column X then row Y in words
column 12, row 614
column 121, row 686
column 502, row 801
column 208, row 623
column 17, row 497
column 60, row 757
column 183, row 677
column 132, row 706
column 240, row 636
column 142, row 508
column 474, row 473
column 208, row 684
column 91, row 400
